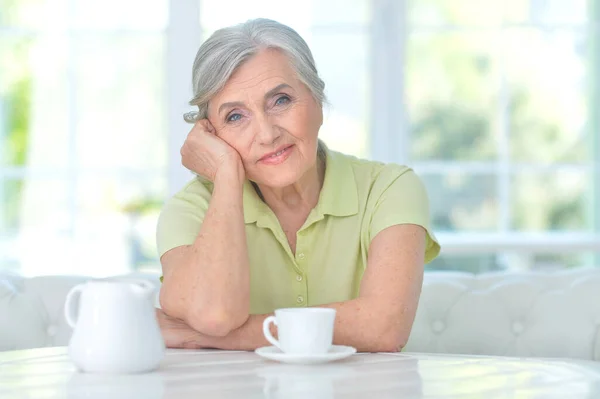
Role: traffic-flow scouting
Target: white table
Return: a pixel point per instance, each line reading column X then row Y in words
column 48, row 373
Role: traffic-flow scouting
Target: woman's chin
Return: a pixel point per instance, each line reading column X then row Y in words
column 279, row 179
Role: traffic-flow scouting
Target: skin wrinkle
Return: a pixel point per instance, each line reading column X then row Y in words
column 232, row 105
column 242, row 102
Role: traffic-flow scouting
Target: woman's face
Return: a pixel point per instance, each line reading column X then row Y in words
column 270, row 117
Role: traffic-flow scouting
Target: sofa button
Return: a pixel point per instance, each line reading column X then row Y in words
column 438, row 326
column 518, row 328
column 51, row 330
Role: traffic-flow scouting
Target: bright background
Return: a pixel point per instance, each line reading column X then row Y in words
column 495, row 104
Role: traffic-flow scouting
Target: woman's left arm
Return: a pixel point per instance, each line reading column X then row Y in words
column 379, row 320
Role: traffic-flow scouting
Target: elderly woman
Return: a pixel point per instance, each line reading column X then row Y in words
column 275, row 219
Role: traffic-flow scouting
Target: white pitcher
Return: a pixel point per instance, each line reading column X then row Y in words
column 116, row 330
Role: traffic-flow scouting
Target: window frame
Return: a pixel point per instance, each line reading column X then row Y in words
column 389, row 137
column 390, row 132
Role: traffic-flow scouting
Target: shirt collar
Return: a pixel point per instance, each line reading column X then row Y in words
column 254, row 207
column 338, row 196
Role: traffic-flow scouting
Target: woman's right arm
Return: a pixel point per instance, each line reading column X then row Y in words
column 207, row 284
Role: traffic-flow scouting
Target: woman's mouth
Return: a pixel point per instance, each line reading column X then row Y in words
column 277, row 157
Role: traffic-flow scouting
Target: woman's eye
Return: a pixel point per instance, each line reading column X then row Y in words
column 234, row 117
column 282, row 100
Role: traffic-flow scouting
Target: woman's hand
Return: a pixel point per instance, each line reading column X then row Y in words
column 208, row 155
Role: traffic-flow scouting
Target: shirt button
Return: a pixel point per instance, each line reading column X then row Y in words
column 301, row 255
column 298, row 278
column 300, row 299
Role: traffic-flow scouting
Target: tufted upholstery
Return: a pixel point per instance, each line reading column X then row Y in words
column 553, row 314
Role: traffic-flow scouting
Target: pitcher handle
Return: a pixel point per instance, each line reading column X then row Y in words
column 145, row 283
column 69, row 314
column 141, row 286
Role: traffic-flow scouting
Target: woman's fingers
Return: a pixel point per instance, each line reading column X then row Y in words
column 204, row 153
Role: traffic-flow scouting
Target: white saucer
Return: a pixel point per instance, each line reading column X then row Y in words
column 336, row 352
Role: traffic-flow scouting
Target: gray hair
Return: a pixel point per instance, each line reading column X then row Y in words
column 228, row 48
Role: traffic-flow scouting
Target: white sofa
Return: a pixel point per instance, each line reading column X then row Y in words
column 520, row 314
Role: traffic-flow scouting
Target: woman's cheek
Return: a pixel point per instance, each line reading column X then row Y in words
column 240, row 142
column 229, row 135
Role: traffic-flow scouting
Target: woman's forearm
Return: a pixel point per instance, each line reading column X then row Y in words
column 210, row 289
column 358, row 323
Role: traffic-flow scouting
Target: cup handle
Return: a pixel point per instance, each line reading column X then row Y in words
column 69, row 314
column 267, row 330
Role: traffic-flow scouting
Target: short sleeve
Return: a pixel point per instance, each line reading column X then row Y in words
column 181, row 217
column 402, row 200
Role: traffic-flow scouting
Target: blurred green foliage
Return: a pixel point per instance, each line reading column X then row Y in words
column 461, row 90
column 15, row 100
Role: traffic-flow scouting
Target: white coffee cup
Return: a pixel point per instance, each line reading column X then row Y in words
column 302, row 330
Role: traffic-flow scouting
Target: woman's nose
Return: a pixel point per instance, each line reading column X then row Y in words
column 266, row 132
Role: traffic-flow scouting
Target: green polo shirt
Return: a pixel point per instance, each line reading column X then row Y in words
column 358, row 199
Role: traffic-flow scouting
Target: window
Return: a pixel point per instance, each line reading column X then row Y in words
column 501, row 98
column 492, row 103
column 82, row 132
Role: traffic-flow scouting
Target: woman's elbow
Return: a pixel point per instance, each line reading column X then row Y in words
column 389, row 339
column 215, row 322
column 391, row 343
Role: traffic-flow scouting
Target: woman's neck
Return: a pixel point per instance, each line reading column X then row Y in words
column 302, row 195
